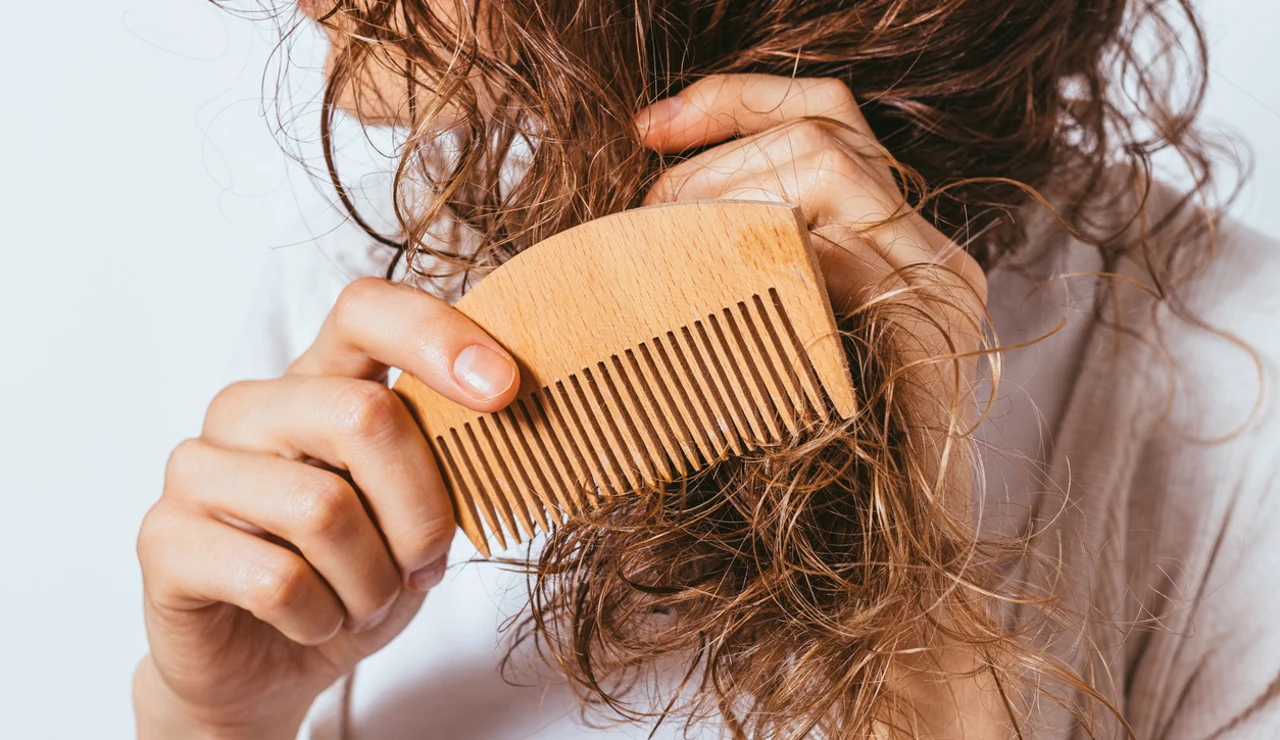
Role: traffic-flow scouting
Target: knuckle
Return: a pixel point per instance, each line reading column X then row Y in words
column 665, row 188
column 383, row 587
column 356, row 296
column 365, row 410
column 430, row 342
column 279, row 586
column 180, row 466
column 809, row 135
column 152, row 534
column 321, row 507
column 837, row 166
column 225, row 402
column 709, row 93
column 433, row 535
column 973, row 275
column 706, row 86
column 831, row 93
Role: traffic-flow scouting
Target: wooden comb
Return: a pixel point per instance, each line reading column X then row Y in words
column 651, row 343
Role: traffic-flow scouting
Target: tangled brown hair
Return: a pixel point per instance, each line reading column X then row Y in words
column 790, row 590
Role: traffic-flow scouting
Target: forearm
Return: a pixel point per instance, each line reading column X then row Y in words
column 163, row 716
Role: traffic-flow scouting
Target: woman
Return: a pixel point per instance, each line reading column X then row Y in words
column 955, row 160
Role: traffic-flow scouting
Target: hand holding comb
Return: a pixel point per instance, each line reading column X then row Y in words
column 651, row 344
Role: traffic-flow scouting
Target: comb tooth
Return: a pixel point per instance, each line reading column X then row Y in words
column 494, row 490
column 487, row 506
column 712, row 402
column 811, row 385
column 730, row 412
column 503, row 481
column 791, row 381
column 741, row 395
column 700, row 428
column 577, row 475
column 520, row 429
column 776, row 378
column 659, row 453
column 464, row 503
column 521, row 461
column 602, row 448
column 553, row 482
column 605, row 421
column 601, row 477
column 766, row 411
column 508, row 488
column 637, row 443
column 671, row 413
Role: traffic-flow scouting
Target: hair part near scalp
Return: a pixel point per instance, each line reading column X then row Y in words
column 790, row 588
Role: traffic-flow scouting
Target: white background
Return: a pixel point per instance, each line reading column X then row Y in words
column 140, row 193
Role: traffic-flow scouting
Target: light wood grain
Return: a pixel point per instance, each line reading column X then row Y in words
column 650, row 344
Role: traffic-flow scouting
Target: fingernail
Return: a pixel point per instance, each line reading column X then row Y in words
column 378, row 617
column 482, row 372
column 660, row 112
column 428, row 577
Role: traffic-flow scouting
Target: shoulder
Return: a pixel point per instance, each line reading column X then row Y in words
column 1213, row 348
column 1203, row 502
column 1149, row 413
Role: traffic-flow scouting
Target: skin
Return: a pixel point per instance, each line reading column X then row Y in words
column 304, row 527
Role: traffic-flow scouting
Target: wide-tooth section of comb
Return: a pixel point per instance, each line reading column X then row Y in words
column 652, row 344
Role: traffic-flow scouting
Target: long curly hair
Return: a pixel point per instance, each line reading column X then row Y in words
column 789, row 592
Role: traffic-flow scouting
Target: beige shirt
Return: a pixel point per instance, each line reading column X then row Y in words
column 1152, row 479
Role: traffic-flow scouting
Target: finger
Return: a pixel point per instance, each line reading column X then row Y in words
column 831, row 187
column 766, row 152
column 314, row 510
column 190, row 562
column 852, row 211
column 720, row 107
column 376, row 323
column 852, row 269
column 359, row 426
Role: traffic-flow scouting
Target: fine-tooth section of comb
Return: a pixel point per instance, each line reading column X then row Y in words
column 651, row 344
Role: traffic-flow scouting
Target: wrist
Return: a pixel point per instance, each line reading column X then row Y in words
column 161, row 714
